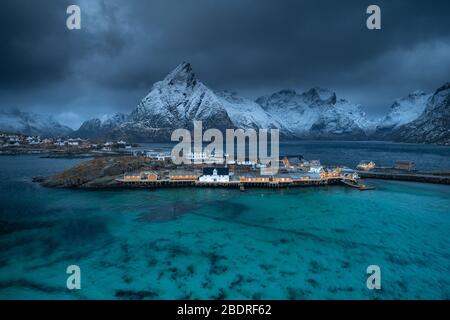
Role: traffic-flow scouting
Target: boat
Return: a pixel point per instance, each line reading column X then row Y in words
column 366, row 165
column 356, row 185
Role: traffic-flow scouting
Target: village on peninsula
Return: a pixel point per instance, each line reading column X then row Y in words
column 149, row 169
column 118, row 164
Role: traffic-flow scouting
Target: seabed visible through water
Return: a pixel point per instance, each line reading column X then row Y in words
column 200, row 243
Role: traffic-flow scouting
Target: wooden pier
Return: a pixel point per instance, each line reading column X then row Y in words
column 166, row 183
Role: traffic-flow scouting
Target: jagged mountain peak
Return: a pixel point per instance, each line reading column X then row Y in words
column 403, row 110
column 415, row 97
column 318, row 94
column 311, row 97
column 116, row 117
column 432, row 126
column 179, row 99
column 285, row 92
column 280, row 98
column 445, row 87
column 417, row 93
column 442, row 93
column 439, row 98
column 229, row 95
column 183, row 74
column 92, row 123
column 316, row 112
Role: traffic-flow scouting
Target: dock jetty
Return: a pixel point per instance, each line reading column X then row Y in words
column 167, row 183
column 413, row 176
column 402, row 170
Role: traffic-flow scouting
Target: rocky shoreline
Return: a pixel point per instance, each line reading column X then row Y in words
column 106, row 173
column 97, row 173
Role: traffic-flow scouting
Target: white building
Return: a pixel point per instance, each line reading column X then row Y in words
column 203, row 157
column 160, row 156
column 246, row 163
column 163, row 156
column 315, row 169
column 215, row 175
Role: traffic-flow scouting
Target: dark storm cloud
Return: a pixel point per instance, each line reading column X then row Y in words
column 37, row 48
column 250, row 46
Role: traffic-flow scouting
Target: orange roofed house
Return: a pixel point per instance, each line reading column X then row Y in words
column 183, row 176
column 141, row 176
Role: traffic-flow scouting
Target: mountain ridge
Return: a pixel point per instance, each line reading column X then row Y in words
column 181, row 98
column 433, row 125
column 317, row 113
column 32, row 124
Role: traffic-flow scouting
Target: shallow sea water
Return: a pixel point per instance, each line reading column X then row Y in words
column 307, row 243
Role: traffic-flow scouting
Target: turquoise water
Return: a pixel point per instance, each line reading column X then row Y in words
column 310, row 243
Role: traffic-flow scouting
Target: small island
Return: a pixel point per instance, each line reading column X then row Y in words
column 151, row 169
column 157, row 170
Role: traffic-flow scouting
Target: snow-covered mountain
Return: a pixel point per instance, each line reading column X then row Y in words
column 180, row 98
column 433, row 125
column 245, row 113
column 102, row 129
column 27, row 123
column 403, row 111
column 175, row 102
column 317, row 113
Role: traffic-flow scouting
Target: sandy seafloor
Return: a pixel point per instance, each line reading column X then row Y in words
column 307, row 243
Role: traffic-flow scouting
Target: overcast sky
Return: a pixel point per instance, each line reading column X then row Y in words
column 253, row 47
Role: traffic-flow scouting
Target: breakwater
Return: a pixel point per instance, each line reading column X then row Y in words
column 416, row 177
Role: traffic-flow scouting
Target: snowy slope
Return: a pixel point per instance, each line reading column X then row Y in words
column 97, row 128
column 180, row 98
column 316, row 113
column 245, row 113
column 433, row 125
column 404, row 111
column 175, row 102
column 16, row 121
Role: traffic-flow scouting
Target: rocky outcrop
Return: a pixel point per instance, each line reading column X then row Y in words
column 97, row 173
